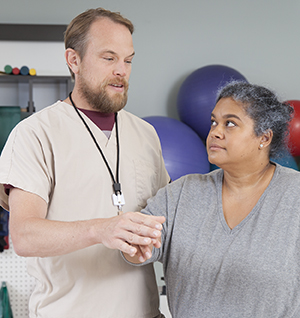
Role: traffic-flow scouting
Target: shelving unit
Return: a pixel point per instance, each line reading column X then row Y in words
column 31, row 80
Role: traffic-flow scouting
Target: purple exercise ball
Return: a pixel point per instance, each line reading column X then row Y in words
column 182, row 149
column 197, row 95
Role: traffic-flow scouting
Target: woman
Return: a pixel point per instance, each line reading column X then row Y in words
column 230, row 245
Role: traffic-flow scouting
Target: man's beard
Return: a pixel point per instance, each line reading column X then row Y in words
column 100, row 100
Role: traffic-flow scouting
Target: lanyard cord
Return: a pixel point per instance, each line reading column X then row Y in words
column 116, row 184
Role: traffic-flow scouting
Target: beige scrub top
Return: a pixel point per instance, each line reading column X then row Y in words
column 52, row 155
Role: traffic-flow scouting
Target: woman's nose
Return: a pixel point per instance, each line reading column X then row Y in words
column 217, row 132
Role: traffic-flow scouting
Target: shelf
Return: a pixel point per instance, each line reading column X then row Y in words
column 31, row 80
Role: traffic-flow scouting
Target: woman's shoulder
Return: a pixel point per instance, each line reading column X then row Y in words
column 205, row 177
column 212, row 178
column 287, row 176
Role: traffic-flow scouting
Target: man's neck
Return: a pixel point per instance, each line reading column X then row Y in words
column 79, row 102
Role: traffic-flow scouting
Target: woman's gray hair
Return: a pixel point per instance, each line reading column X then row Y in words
column 265, row 109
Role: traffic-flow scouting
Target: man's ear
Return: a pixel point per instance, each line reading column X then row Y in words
column 73, row 60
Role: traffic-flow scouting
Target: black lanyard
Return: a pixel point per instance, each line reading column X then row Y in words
column 116, row 183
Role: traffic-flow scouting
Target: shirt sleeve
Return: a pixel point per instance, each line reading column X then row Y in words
column 164, row 203
column 25, row 163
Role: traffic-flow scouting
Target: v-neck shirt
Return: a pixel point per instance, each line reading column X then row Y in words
column 102, row 120
column 252, row 212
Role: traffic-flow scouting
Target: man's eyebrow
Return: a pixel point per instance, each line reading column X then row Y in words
column 114, row 53
column 133, row 53
column 108, row 51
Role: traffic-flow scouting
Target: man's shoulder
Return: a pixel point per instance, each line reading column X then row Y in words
column 57, row 107
column 130, row 116
column 136, row 122
column 49, row 115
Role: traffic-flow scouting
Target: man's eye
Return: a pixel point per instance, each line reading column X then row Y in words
column 213, row 123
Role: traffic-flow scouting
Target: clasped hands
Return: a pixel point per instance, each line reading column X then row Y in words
column 134, row 234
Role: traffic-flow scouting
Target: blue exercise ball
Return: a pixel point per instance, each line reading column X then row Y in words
column 197, row 95
column 287, row 160
column 182, row 149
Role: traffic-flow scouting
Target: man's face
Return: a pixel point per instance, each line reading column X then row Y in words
column 106, row 66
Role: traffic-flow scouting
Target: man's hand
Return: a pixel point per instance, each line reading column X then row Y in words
column 132, row 233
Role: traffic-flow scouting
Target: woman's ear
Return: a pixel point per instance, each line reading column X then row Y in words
column 73, row 60
column 266, row 138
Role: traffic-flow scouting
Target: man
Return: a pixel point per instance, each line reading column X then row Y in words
column 66, row 183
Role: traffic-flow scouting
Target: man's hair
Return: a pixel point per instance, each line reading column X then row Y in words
column 76, row 34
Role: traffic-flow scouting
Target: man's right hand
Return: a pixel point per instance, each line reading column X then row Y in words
column 129, row 230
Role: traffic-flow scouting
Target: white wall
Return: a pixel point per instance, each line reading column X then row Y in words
column 259, row 38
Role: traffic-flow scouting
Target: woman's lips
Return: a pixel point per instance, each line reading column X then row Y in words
column 215, row 147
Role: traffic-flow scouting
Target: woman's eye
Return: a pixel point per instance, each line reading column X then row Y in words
column 213, row 123
column 230, row 123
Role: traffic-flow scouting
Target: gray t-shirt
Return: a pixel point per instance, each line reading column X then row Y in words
column 212, row 271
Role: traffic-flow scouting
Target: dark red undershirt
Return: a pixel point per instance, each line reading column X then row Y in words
column 104, row 121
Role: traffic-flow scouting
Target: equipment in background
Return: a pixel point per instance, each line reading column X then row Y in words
column 5, row 308
column 9, row 117
column 197, row 95
column 182, row 149
column 3, row 230
column 24, row 70
column 294, row 137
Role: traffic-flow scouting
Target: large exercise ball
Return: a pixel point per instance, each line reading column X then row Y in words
column 197, row 95
column 294, row 137
column 182, row 149
column 287, row 160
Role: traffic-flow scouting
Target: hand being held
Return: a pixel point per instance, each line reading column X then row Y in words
column 132, row 233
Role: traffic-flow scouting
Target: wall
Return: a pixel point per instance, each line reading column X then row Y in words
column 259, row 38
column 174, row 38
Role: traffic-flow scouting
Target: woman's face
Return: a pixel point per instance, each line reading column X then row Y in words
column 231, row 140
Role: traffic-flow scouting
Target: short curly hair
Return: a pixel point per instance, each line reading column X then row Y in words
column 265, row 109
